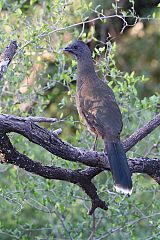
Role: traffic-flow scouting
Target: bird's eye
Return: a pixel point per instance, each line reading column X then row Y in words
column 75, row 47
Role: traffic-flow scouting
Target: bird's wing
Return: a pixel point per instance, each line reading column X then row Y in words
column 108, row 115
column 99, row 109
column 102, row 109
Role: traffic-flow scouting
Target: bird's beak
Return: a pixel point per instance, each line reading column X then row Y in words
column 68, row 49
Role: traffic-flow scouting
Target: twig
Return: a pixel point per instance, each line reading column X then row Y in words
column 92, row 235
column 30, row 118
column 99, row 18
column 142, row 132
column 130, row 223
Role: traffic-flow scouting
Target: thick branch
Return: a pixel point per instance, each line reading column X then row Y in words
column 8, row 154
column 56, row 146
column 6, row 57
column 50, row 141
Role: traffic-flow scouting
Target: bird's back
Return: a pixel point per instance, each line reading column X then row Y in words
column 97, row 105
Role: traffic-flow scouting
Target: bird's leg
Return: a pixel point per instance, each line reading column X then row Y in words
column 94, row 143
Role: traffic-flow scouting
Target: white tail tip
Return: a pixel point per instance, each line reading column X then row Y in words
column 126, row 191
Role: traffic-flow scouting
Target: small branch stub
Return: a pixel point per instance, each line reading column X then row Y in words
column 6, row 57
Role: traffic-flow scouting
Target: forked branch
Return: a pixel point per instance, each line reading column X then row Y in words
column 50, row 141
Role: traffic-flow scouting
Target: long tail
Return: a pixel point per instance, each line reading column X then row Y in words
column 119, row 166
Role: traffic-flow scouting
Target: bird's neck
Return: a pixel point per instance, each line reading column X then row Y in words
column 85, row 65
column 85, row 70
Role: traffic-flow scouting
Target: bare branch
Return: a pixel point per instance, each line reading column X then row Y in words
column 141, row 133
column 30, row 118
column 6, row 57
column 99, row 18
column 129, row 223
column 80, row 178
column 50, row 141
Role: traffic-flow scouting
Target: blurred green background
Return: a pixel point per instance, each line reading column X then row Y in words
column 41, row 82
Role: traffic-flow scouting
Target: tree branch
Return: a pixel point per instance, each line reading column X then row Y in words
column 6, row 57
column 30, row 118
column 141, row 133
column 8, row 154
column 50, row 141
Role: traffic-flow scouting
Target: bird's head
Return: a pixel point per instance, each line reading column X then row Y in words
column 78, row 48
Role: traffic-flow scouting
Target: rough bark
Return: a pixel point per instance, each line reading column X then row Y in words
column 51, row 142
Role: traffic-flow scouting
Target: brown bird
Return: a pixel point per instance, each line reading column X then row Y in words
column 97, row 105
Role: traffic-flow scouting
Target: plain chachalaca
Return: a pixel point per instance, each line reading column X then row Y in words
column 97, row 105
